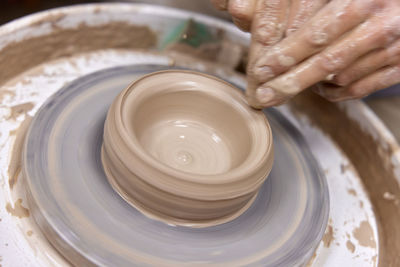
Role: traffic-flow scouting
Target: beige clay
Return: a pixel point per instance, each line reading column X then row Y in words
column 185, row 148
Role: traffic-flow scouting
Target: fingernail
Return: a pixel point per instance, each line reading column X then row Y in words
column 265, row 95
column 264, row 73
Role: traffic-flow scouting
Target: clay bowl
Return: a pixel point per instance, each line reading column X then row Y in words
column 185, row 148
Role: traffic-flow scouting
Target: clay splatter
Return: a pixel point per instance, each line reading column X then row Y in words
column 365, row 235
column 14, row 178
column 328, row 237
column 14, row 168
column 29, row 233
column 374, row 260
column 352, row 192
column 350, row 246
column 13, row 132
column 344, row 168
column 18, row 210
column 20, row 109
column 5, row 93
column 311, row 261
column 389, row 196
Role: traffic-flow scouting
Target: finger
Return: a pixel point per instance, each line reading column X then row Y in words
column 301, row 11
column 220, row 4
column 368, row 36
column 368, row 64
column 269, row 21
column 267, row 29
column 242, row 12
column 334, row 19
column 380, row 79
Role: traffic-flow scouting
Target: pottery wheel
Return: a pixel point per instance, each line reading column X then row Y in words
column 90, row 223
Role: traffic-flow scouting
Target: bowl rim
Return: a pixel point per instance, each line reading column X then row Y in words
column 240, row 172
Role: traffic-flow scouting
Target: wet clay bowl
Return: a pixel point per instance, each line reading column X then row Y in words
column 185, row 148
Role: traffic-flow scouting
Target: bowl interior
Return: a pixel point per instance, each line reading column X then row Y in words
column 192, row 131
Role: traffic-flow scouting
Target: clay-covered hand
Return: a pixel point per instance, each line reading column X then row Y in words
column 354, row 44
column 269, row 21
column 244, row 12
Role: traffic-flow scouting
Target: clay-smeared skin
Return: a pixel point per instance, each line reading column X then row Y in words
column 269, row 21
column 354, row 44
column 244, row 12
column 185, row 148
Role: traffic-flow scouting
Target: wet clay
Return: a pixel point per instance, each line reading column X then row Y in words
column 371, row 161
column 14, row 168
column 185, row 148
column 350, row 246
column 18, row 210
column 365, row 235
column 328, row 237
column 20, row 109
column 26, row 54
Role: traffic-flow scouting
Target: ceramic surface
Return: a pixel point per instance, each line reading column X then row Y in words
column 82, row 215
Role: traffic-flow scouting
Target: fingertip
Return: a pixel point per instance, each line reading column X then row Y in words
column 252, row 100
column 241, row 9
column 265, row 94
column 268, row 97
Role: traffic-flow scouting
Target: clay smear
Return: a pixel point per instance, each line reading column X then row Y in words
column 20, row 109
column 14, row 167
column 370, row 159
column 328, row 237
column 5, row 93
column 18, row 210
column 365, row 235
column 352, row 192
column 350, row 246
column 65, row 42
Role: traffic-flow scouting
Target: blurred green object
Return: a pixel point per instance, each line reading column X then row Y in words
column 191, row 33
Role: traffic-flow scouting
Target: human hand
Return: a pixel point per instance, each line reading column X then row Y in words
column 269, row 21
column 293, row 13
column 352, row 44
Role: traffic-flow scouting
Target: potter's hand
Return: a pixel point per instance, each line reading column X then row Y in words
column 269, row 21
column 292, row 14
column 354, row 44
